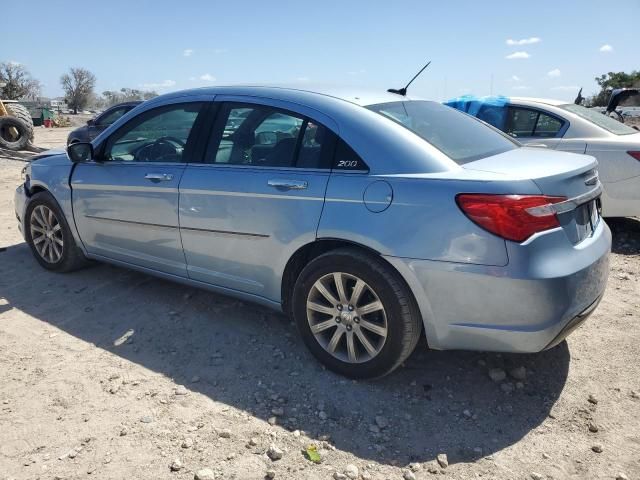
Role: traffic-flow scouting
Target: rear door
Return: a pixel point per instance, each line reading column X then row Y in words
column 126, row 204
column 257, row 197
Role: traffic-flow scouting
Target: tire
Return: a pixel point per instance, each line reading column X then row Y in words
column 20, row 111
column 6, row 140
column 70, row 256
column 392, row 332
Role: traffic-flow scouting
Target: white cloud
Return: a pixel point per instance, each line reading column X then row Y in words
column 554, row 73
column 207, row 77
column 159, row 86
column 187, row 52
column 606, row 48
column 302, row 79
column 353, row 73
column 524, row 41
column 566, row 88
column 517, row 55
column 220, row 50
column 520, row 87
column 515, row 78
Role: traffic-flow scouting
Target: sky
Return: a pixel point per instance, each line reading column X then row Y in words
column 542, row 49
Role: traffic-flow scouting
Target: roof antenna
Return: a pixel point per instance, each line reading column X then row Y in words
column 579, row 98
column 403, row 91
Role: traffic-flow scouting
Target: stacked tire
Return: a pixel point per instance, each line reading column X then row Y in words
column 19, row 119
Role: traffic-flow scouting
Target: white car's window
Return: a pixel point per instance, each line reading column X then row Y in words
column 601, row 120
column 158, row 135
column 461, row 137
column 525, row 122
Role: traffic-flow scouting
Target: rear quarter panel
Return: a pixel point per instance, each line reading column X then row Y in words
column 423, row 220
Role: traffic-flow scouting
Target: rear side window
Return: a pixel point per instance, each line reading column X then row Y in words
column 459, row 136
column 524, row 122
column 263, row 136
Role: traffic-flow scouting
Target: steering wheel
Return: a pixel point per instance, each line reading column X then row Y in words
column 162, row 147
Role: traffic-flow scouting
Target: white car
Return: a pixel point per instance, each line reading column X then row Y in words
column 573, row 128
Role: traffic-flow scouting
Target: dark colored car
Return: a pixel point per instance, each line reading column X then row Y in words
column 96, row 125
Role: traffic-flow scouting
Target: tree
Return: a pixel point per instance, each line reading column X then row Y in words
column 19, row 83
column 111, row 97
column 610, row 81
column 78, row 86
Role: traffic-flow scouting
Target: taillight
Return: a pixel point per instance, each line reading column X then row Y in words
column 635, row 155
column 512, row 217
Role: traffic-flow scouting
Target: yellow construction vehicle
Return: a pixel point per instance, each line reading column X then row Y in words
column 16, row 126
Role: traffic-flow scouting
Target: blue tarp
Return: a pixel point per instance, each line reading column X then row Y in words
column 492, row 110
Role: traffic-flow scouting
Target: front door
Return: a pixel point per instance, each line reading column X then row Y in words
column 256, row 199
column 126, row 203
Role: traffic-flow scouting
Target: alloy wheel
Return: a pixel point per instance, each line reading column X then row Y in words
column 346, row 317
column 46, row 234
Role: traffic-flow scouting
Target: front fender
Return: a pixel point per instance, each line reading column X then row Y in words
column 53, row 174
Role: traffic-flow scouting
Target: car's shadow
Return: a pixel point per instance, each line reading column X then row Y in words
column 626, row 235
column 245, row 356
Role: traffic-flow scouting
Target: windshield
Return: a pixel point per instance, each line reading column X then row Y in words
column 601, row 120
column 459, row 136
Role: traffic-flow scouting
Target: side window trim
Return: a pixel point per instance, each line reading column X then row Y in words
column 335, row 168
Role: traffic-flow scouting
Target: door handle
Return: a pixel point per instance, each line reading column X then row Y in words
column 282, row 184
column 159, row 177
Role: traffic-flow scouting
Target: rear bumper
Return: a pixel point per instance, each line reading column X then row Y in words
column 20, row 204
column 548, row 289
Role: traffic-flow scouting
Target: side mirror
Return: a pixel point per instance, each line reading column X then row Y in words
column 80, row 152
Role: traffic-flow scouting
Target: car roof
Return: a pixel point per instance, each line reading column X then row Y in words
column 355, row 95
column 546, row 101
column 503, row 101
column 127, row 104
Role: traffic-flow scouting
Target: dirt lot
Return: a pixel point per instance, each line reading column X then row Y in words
column 110, row 374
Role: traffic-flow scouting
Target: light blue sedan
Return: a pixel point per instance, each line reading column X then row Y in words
column 369, row 217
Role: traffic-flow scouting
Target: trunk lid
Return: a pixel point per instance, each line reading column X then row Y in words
column 555, row 173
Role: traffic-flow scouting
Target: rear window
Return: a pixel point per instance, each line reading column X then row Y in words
column 601, row 120
column 459, row 136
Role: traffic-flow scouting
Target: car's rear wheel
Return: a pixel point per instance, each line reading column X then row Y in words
column 49, row 236
column 355, row 313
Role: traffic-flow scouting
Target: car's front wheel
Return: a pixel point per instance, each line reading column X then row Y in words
column 355, row 313
column 49, row 236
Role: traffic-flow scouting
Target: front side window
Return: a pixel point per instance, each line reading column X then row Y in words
column 459, row 136
column 159, row 135
column 259, row 135
column 524, row 122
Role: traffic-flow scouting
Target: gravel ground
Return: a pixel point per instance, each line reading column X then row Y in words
column 111, row 374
